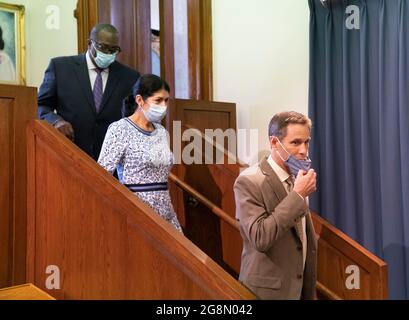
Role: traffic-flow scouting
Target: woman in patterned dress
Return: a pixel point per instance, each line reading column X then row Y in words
column 137, row 147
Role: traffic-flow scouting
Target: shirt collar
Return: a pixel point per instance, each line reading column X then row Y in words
column 281, row 173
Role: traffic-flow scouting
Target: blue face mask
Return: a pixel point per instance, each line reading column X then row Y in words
column 104, row 60
column 295, row 164
column 155, row 113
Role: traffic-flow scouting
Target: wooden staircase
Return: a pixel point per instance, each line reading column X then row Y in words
column 107, row 244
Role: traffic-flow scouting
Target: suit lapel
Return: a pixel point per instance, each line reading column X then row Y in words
column 113, row 79
column 273, row 180
column 82, row 73
column 276, row 185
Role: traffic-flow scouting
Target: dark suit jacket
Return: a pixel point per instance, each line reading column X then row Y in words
column 272, row 261
column 66, row 88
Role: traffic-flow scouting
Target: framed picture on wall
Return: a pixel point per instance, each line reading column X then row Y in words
column 12, row 44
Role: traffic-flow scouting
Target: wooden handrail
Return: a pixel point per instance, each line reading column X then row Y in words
column 327, row 292
column 201, row 198
column 321, row 225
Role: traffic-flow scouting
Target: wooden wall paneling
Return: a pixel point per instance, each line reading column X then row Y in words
column 31, row 205
column 133, row 20
column 103, row 238
column 167, row 54
column 193, row 18
column 203, row 228
column 6, row 194
column 86, row 14
column 224, row 176
column 215, row 181
column 206, row 115
column 207, row 50
column 142, row 22
column 211, row 239
column 200, row 49
column 104, row 11
column 167, row 70
column 123, row 17
column 17, row 105
column 336, row 251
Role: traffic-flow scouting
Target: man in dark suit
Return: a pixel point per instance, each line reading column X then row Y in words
column 279, row 255
column 82, row 95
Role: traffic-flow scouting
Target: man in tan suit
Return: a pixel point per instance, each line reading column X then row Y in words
column 279, row 255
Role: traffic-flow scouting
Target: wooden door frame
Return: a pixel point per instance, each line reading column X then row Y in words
column 86, row 14
column 200, row 48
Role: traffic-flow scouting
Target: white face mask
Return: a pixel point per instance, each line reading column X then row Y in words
column 104, row 60
column 155, row 113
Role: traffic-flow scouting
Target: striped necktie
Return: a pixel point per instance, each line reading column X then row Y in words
column 97, row 91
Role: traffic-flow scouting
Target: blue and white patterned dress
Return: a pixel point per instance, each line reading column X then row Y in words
column 142, row 159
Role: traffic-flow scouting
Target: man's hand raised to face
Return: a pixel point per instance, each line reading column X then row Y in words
column 305, row 183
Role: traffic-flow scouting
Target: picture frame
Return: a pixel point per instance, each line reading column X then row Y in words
column 12, row 44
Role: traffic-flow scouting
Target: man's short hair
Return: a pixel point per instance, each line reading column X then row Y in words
column 102, row 27
column 155, row 32
column 279, row 123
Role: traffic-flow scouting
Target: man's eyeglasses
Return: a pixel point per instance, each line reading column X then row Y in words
column 105, row 48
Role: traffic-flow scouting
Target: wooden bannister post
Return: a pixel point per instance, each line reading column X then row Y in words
column 17, row 106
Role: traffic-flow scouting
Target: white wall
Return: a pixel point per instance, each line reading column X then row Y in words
column 155, row 19
column 43, row 43
column 260, row 56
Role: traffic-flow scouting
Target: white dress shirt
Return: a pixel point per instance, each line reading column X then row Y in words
column 93, row 74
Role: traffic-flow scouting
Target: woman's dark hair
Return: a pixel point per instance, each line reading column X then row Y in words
column 146, row 86
column 1, row 39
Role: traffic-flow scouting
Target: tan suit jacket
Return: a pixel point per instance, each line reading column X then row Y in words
column 272, row 257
